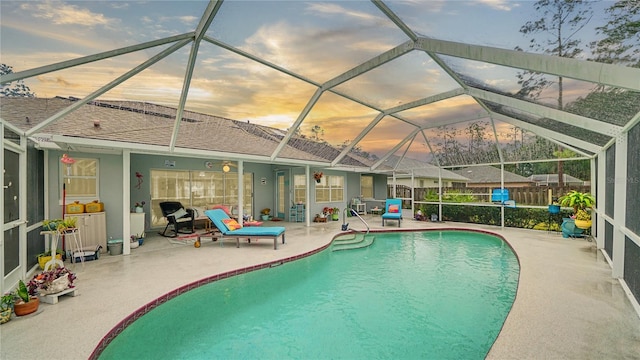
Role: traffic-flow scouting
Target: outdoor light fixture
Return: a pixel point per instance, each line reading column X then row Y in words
column 226, row 165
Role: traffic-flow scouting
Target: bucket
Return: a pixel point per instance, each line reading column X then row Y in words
column 115, row 247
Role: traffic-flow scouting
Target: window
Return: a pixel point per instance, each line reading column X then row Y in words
column 197, row 188
column 80, row 179
column 330, row 188
column 366, row 186
column 299, row 189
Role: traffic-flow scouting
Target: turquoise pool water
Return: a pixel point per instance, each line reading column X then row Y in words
column 410, row 295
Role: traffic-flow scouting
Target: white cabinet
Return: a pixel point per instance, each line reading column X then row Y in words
column 92, row 230
column 137, row 223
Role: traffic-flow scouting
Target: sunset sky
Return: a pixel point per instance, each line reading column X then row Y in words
column 313, row 39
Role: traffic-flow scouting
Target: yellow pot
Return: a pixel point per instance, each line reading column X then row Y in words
column 583, row 224
column 5, row 315
column 42, row 260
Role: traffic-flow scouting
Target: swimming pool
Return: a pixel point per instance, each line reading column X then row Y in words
column 434, row 294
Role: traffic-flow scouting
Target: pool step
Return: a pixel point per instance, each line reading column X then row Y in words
column 349, row 239
column 357, row 242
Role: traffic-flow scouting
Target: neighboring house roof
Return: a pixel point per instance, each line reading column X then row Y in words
column 489, row 174
column 421, row 169
column 152, row 124
column 543, row 179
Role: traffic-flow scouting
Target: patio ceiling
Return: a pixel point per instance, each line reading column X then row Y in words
column 359, row 76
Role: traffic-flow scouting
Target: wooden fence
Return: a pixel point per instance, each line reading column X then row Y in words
column 531, row 195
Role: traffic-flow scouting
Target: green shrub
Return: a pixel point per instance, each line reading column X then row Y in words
column 524, row 218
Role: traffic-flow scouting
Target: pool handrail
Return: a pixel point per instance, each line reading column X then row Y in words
column 355, row 213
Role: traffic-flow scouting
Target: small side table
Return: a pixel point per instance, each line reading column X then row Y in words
column 360, row 208
column 376, row 211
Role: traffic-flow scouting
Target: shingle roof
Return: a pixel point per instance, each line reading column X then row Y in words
column 489, row 174
column 421, row 169
column 152, row 124
column 553, row 178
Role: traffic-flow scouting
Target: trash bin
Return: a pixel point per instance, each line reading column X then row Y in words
column 115, row 247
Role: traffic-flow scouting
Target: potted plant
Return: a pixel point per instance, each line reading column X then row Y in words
column 140, row 238
column 44, row 257
column 136, row 240
column 139, row 207
column 60, row 225
column 50, row 224
column 6, row 307
column 51, row 281
column 317, row 175
column 265, row 214
column 335, row 214
column 577, row 200
column 134, row 243
column 581, row 203
column 583, row 219
column 27, row 301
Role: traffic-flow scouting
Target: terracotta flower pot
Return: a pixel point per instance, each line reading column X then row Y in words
column 22, row 308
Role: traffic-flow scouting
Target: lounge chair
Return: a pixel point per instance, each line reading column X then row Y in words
column 229, row 228
column 392, row 210
column 180, row 219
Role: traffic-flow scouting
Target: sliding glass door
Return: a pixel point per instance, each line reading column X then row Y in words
column 198, row 188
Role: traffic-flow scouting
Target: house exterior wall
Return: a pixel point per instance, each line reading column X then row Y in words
column 264, row 176
column 353, row 180
column 263, row 197
column 380, row 187
column 110, row 183
column 352, row 189
column 349, row 185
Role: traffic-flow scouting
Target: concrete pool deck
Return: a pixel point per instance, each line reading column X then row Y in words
column 567, row 305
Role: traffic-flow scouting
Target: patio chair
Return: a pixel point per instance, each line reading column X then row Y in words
column 180, row 219
column 392, row 211
column 229, row 228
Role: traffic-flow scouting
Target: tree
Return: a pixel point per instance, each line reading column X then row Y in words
column 622, row 35
column 318, row 132
column 560, row 21
column 14, row 89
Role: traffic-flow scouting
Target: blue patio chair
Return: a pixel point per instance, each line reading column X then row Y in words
column 224, row 224
column 392, row 210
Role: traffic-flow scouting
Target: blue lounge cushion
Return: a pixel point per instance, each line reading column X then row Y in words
column 257, row 231
column 218, row 216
